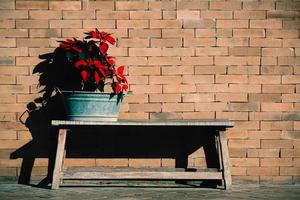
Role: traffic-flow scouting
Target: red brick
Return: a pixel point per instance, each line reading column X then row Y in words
column 112, row 162
column 269, row 61
column 188, row 14
column 259, row 5
column 263, row 153
column 8, row 4
column 133, row 5
column 238, row 171
column 264, row 79
column 197, row 60
column 293, row 60
column 237, row 116
column 82, row 14
column 276, row 144
column 162, row 5
column 177, row 70
column 292, row 171
column 231, row 97
column 278, row 88
column 235, row 143
column 212, row 106
column 200, row 23
column 206, row 97
column 257, row 42
column 103, row 14
column 188, row 79
column 277, row 107
column 232, row 24
column 144, row 33
column 165, row 24
column 144, row 70
column 224, row 33
column 265, row 116
column 145, row 52
column 213, row 51
column 156, row 98
column 79, row 162
column 252, row 33
column 290, row 97
column 127, row 61
column 207, row 14
column 232, row 42
column 291, row 43
column 143, row 89
column 147, row 107
column 243, row 107
column 250, row 125
column 15, row 14
column 45, row 14
column 242, row 14
column 206, row 33
column 243, row 69
column 132, row 24
column 164, row 79
column 210, row 69
column 282, row 70
column 179, row 88
column 177, row 33
column 169, row 14
column 282, row 14
column 244, row 51
column 134, row 116
column 274, row 33
column 65, row 5
column 231, row 79
column 166, row 42
column 291, row 24
column 244, row 162
column 221, row 5
column 276, row 162
column 138, row 80
column 96, row 23
column 145, row 15
column 191, row 42
column 263, row 171
column 192, row 5
column 177, row 107
column 133, row 43
column 212, row 88
column 177, row 52
column 33, row 42
column 164, row 61
column 32, row 24
column 21, row 51
column 7, row 24
column 269, row 24
column 277, row 125
column 101, row 5
column 237, row 60
column 245, row 88
column 7, row 98
column 198, row 115
column 27, row 5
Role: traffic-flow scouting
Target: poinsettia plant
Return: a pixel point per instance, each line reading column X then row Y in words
column 97, row 69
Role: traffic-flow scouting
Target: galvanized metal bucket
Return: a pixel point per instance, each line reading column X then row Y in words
column 91, row 106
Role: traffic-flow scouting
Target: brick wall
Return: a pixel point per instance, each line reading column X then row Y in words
column 186, row 59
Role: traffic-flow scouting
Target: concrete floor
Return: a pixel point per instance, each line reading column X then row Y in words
column 161, row 192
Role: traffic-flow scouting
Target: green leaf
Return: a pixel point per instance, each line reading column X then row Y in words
column 69, row 55
column 81, row 56
column 101, row 86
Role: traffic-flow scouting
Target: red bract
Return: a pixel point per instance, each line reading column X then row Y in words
column 89, row 57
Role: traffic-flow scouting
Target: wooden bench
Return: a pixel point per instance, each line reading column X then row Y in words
column 223, row 173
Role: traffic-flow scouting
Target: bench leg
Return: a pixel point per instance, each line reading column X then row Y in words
column 62, row 134
column 225, row 159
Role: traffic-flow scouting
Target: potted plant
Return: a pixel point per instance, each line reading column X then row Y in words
column 80, row 70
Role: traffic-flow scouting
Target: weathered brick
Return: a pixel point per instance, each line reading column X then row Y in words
column 263, row 153
column 144, row 89
column 290, row 79
column 15, row 14
column 291, row 43
column 145, row 52
column 227, row 32
column 132, row 24
column 212, row 88
column 191, row 42
column 34, row 42
column 290, row 98
column 206, row 33
column 231, row 97
column 237, row 60
column 243, row 70
column 265, row 116
column 165, row 115
column 165, row 79
column 133, row 43
column 245, row 88
column 134, row 162
column 198, row 115
column 104, row 14
column 101, row 5
column 192, row 5
column 282, row 14
column 21, row 51
column 197, row 60
column 179, row 88
column 145, row 33
column 169, row 14
column 276, row 162
column 275, row 33
column 177, row 33
column 162, row 5
column 177, row 52
column 164, row 61
column 212, row 106
column 45, row 14
column 263, row 171
column 165, row 24
column 144, row 70
column 7, row 60
column 145, row 15
column 7, row 4
column 148, row 107
column 243, row 107
column 244, row 51
column 206, row 97
column 112, row 162
column 249, row 162
column 278, row 88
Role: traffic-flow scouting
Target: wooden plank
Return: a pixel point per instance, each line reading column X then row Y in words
column 144, row 175
column 59, row 158
column 225, row 160
column 224, row 123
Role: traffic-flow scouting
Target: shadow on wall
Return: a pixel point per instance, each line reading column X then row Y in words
column 104, row 142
